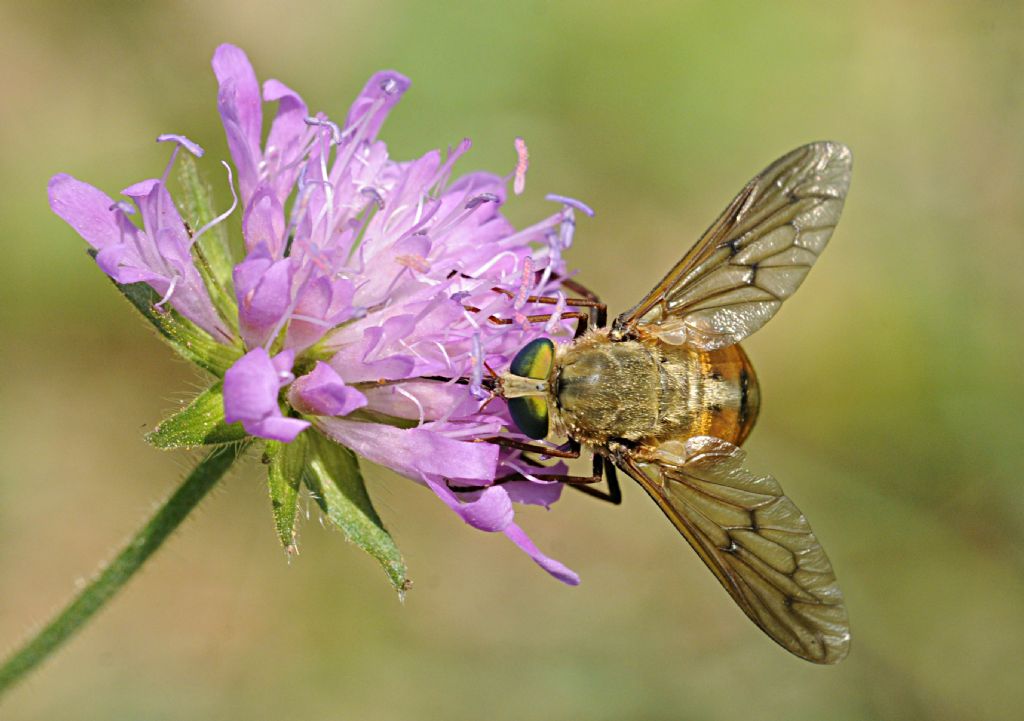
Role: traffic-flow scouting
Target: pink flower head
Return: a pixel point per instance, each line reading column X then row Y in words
column 368, row 278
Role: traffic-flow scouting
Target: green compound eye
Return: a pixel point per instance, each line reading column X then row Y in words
column 530, row 414
column 534, row 360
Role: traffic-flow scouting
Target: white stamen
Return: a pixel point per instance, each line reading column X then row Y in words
column 170, row 163
column 325, row 123
column 223, row 216
column 159, row 305
column 480, row 199
column 447, row 358
column 476, row 375
column 419, row 406
column 470, row 319
column 310, row 319
column 556, row 315
column 571, row 202
column 492, row 262
column 411, row 348
column 373, row 194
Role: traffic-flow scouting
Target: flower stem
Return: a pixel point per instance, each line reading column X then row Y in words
column 117, row 573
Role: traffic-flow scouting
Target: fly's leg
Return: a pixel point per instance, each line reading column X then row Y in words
column 602, row 470
column 572, row 451
column 581, row 318
column 600, row 309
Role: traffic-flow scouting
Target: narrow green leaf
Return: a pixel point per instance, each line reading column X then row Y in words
column 189, row 340
column 284, row 474
column 200, row 423
column 332, row 475
column 212, row 252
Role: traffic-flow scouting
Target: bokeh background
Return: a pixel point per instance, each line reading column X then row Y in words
column 893, row 383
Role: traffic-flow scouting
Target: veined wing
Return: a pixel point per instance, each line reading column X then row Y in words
column 754, row 539
column 753, row 257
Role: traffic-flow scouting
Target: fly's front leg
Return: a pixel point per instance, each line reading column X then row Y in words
column 580, row 318
column 600, row 309
column 602, row 470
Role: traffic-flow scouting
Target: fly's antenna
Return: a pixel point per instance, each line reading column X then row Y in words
column 493, row 394
column 492, row 384
column 494, row 376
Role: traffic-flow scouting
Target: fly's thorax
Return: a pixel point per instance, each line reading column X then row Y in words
column 603, row 389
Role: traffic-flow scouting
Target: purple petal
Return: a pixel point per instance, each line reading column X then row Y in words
column 322, row 299
column 324, row 393
column 238, row 100
column 263, row 289
column 84, row 208
column 278, row 428
column 436, row 400
column 159, row 213
column 534, row 493
column 564, row 574
column 491, row 511
column 283, row 363
column 414, row 452
column 250, row 396
column 181, row 140
column 287, row 133
column 121, row 262
column 250, row 388
column 371, row 108
column 263, row 223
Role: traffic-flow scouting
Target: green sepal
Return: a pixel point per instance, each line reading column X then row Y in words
column 200, row 423
column 285, row 462
column 333, row 477
column 212, row 252
column 189, row 340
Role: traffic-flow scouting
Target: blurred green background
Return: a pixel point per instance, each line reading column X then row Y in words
column 893, row 385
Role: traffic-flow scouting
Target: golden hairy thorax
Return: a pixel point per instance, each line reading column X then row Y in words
column 648, row 391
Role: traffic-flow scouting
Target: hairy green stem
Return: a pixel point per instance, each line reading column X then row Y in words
column 117, row 573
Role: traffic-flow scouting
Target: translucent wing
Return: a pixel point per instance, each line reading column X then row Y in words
column 754, row 539
column 753, row 257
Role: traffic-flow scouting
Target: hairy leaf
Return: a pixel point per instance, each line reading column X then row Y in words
column 284, row 475
column 200, row 423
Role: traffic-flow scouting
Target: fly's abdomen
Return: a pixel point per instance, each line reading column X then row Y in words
column 724, row 394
